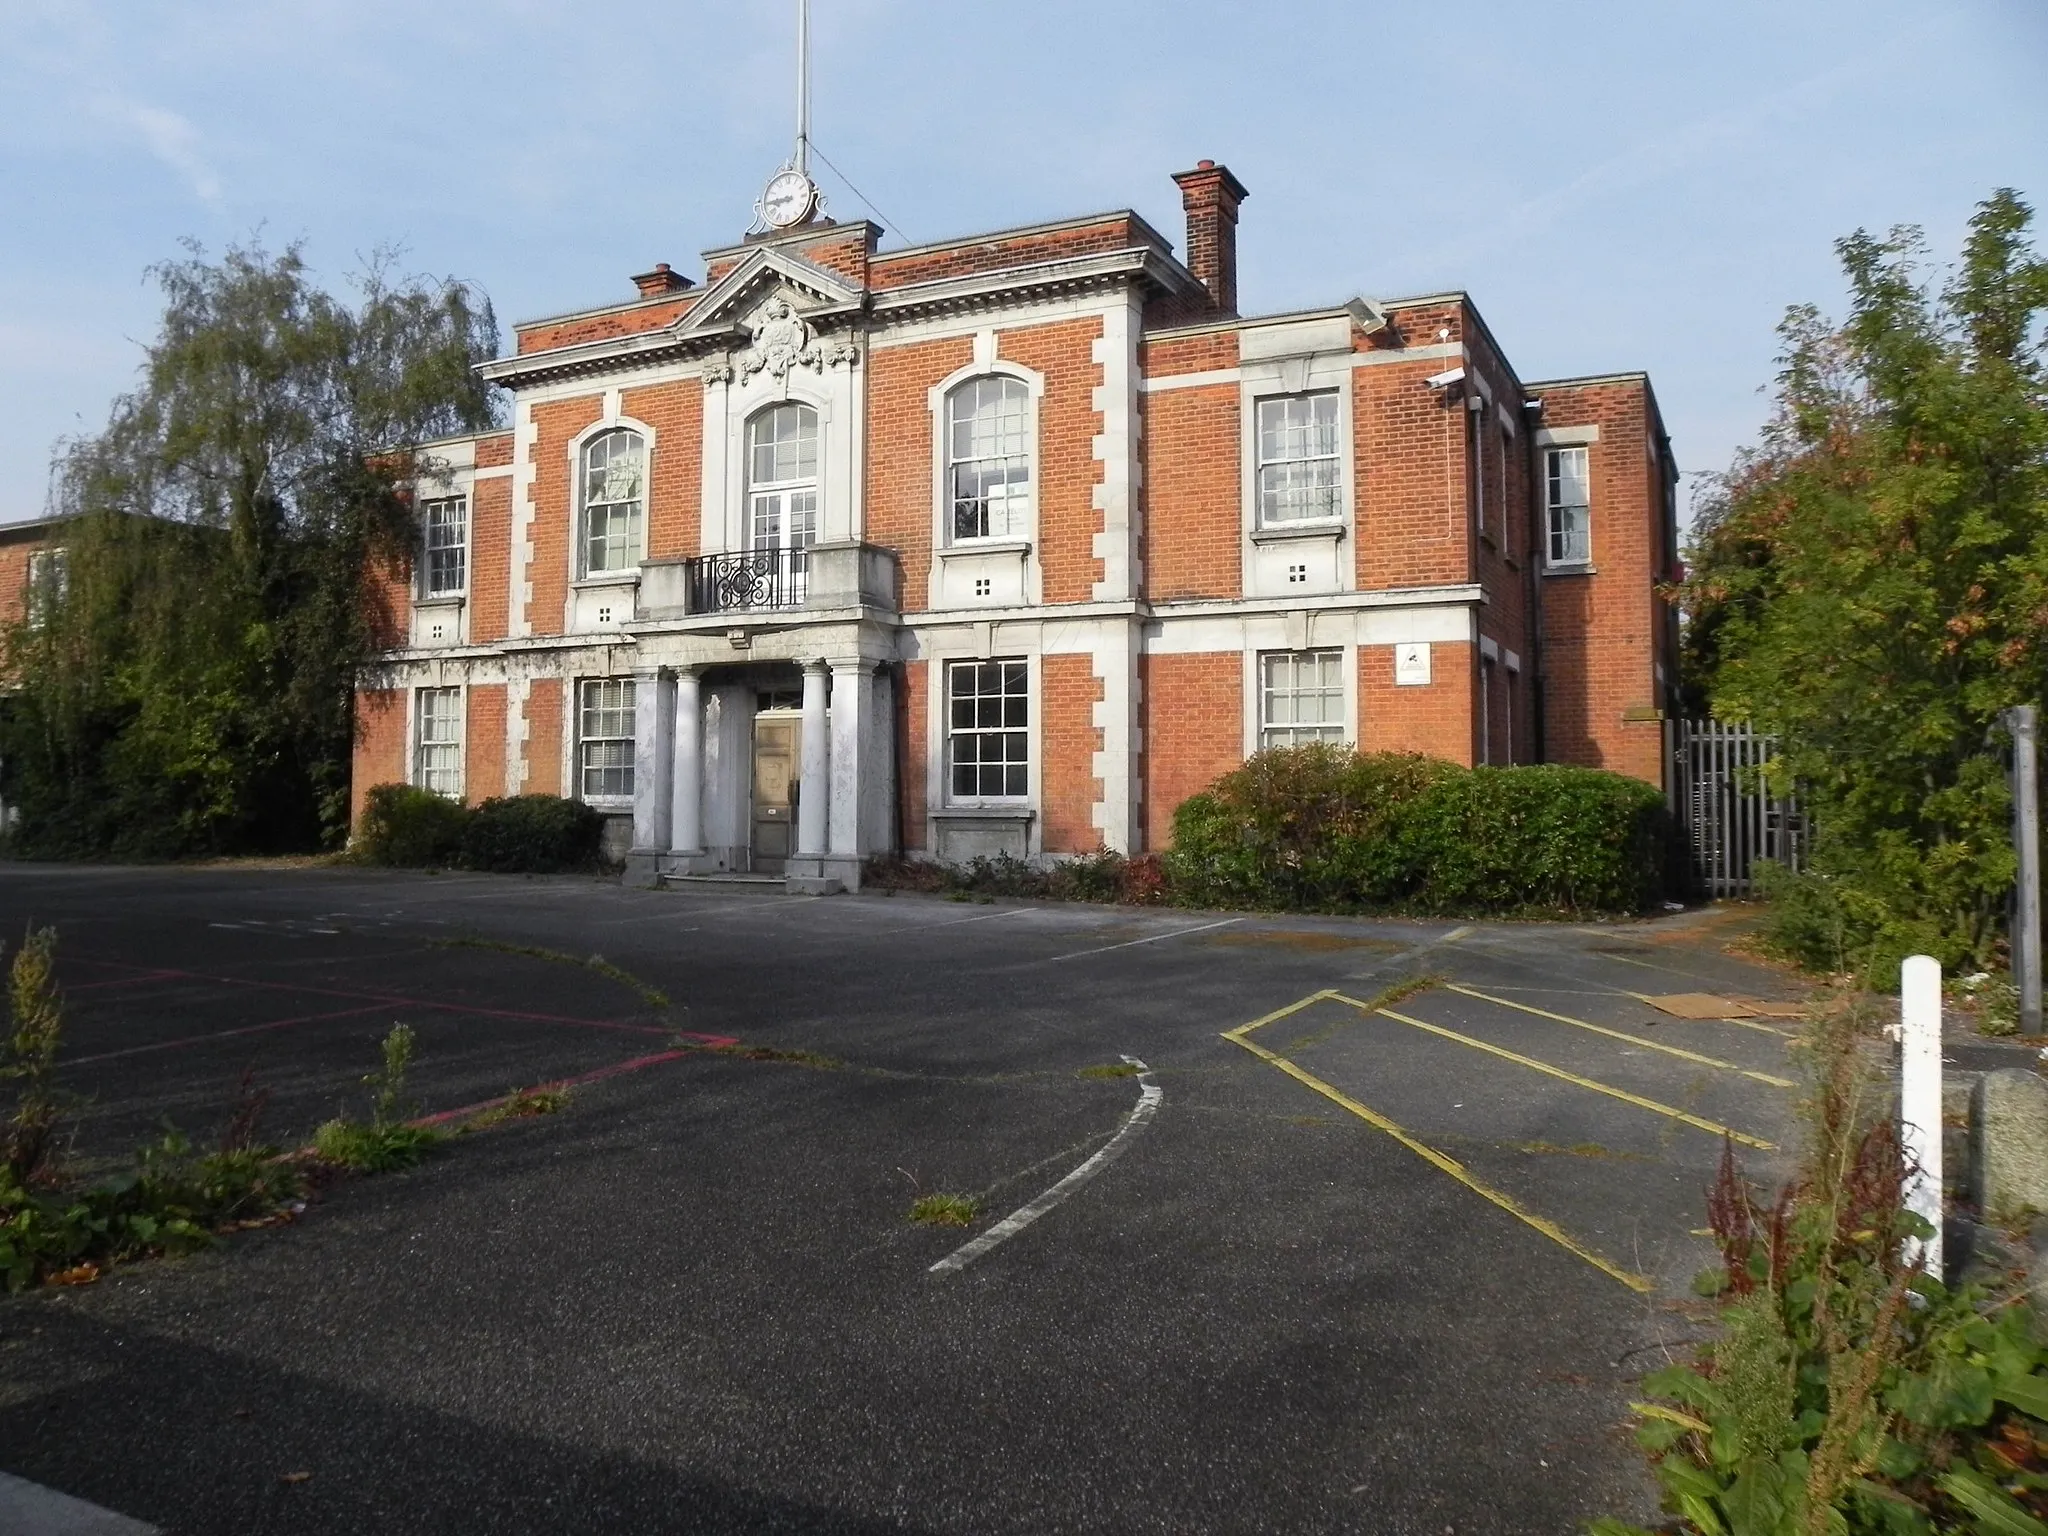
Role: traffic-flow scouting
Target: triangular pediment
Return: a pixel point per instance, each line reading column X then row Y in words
column 733, row 301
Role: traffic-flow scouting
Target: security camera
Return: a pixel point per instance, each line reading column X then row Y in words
column 1445, row 379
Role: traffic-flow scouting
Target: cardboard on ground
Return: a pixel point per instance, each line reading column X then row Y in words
column 1700, row 1005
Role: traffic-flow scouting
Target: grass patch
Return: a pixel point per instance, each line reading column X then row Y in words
column 1577, row 1149
column 653, row 996
column 372, row 1148
column 524, row 1104
column 937, row 1210
column 1386, row 997
column 1108, row 1070
column 817, row 1061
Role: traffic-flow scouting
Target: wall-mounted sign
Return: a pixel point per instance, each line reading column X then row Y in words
column 1411, row 662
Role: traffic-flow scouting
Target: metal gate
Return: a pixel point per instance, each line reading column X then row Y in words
column 1731, row 820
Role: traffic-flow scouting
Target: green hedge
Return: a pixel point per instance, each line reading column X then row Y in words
column 532, row 834
column 410, row 828
column 1325, row 828
column 521, row 834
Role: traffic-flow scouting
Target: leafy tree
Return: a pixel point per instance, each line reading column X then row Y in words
column 192, row 689
column 1872, row 584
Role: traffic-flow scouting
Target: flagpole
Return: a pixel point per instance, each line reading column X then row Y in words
column 803, row 86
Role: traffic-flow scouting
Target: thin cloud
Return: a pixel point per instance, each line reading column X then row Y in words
column 1644, row 164
column 171, row 139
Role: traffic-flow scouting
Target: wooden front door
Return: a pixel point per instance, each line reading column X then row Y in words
column 776, row 742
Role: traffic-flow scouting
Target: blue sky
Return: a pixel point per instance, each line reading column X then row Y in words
column 1618, row 185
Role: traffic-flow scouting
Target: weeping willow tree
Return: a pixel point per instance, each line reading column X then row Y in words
column 189, row 690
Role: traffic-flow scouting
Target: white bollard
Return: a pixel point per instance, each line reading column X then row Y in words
column 1920, row 1099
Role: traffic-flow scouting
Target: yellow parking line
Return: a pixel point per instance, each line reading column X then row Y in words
column 1436, row 1159
column 1616, row 1034
column 1709, row 1126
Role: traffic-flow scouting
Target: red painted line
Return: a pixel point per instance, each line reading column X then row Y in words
column 397, row 1000
column 616, row 1069
column 221, row 1034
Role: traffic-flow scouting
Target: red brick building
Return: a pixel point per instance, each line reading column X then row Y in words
column 1010, row 544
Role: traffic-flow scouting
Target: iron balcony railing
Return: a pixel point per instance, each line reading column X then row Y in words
column 751, row 578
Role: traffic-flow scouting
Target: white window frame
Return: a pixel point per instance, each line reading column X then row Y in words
column 1335, row 491
column 429, row 588
column 636, row 518
column 1025, row 530
column 442, row 772
column 624, row 700
column 1017, row 453
column 1017, row 668
column 1335, row 687
column 48, row 580
column 784, row 490
column 1553, row 506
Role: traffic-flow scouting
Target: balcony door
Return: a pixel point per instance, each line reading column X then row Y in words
column 782, row 496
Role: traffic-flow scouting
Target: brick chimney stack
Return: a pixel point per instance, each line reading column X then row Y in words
column 661, row 280
column 1210, row 194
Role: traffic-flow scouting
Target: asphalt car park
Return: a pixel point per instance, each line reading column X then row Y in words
column 1268, row 1241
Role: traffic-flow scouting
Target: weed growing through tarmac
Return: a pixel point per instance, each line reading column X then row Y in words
column 817, row 1061
column 653, row 996
column 30, row 1057
column 524, row 1104
column 387, row 1142
column 936, row 1210
column 171, row 1200
column 1108, row 1070
column 1578, row 1149
column 1386, row 997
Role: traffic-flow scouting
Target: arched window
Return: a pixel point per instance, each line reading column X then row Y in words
column 988, row 458
column 782, row 478
column 614, row 501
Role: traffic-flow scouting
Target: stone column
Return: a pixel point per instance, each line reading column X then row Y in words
column 816, row 787
column 852, row 720
column 687, row 817
column 653, row 724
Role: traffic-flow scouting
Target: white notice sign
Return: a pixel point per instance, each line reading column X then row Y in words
column 1411, row 662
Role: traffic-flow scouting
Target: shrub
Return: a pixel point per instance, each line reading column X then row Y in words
column 1550, row 837
column 410, row 828
column 1323, row 828
column 532, row 834
column 1827, row 922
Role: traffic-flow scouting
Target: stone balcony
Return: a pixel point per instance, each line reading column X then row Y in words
column 819, row 578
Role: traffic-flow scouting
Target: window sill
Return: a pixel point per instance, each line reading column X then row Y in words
column 985, row 547
column 1574, row 569
column 1288, row 532
column 1015, row 811
column 442, row 600
column 610, row 805
column 608, row 579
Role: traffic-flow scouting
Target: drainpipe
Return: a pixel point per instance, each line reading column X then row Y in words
column 1539, row 536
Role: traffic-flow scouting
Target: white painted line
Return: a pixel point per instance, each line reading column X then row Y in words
column 29, row 1509
column 1129, row 943
column 1150, row 1097
column 984, row 917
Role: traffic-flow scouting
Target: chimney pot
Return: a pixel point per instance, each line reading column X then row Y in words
column 1211, row 195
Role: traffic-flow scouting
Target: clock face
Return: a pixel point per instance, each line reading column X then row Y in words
column 787, row 199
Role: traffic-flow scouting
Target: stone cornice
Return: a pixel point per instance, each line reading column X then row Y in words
column 684, row 340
